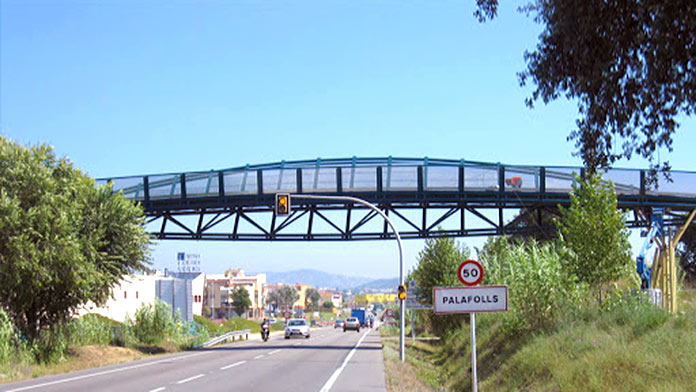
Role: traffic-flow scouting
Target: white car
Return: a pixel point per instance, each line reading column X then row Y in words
column 296, row 327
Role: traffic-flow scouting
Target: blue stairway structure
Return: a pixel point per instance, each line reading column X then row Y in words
column 425, row 197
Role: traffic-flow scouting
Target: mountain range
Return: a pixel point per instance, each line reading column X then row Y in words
column 321, row 279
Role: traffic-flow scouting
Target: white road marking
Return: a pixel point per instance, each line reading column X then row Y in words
column 274, row 351
column 158, row 389
column 105, row 372
column 338, row 371
column 232, row 365
column 190, row 378
column 258, row 356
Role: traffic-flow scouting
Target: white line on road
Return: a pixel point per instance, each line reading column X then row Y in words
column 190, row 378
column 275, row 351
column 105, row 372
column 338, row 371
column 158, row 389
column 258, row 356
column 232, row 365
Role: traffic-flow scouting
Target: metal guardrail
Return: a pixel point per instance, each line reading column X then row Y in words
column 224, row 337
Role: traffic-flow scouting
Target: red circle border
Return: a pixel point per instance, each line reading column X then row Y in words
column 459, row 273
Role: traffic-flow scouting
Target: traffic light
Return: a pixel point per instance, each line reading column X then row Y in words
column 402, row 292
column 282, row 204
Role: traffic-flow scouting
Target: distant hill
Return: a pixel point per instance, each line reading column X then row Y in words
column 379, row 284
column 316, row 278
column 323, row 279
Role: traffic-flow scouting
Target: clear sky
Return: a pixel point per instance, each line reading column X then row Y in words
column 134, row 87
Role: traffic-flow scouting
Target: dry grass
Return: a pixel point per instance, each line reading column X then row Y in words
column 83, row 357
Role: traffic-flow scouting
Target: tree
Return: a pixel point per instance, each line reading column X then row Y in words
column 312, row 298
column 629, row 64
column 328, row 305
column 595, row 231
column 63, row 241
column 240, row 300
column 284, row 297
column 437, row 266
column 536, row 224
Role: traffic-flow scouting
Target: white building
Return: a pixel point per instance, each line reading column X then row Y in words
column 126, row 297
column 182, row 291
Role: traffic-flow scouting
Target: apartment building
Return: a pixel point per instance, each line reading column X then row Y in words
column 218, row 288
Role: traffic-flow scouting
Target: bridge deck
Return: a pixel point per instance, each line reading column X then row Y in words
column 393, row 183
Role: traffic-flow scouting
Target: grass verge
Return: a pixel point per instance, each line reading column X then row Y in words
column 417, row 374
column 80, row 357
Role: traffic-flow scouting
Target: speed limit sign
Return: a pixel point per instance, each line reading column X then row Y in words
column 470, row 272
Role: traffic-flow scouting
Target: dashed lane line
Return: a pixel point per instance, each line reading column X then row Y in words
column 190, row 378
column 258, row 356
column 158, row 389
column 105, row 372
column 275, row 351
column 232, row 365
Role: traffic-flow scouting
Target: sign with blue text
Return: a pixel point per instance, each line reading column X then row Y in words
column 470, row 299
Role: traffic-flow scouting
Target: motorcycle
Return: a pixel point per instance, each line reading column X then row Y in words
column 265, row 332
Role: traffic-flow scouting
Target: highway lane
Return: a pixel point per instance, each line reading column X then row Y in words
column 330, row 360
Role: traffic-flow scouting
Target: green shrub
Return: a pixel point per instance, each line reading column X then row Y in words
column 154, row 323
column 92, row 329
column 51, row 345
column 8, row 336
column 539, row 289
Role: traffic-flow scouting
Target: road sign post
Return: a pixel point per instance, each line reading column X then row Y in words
column 414, row 301
column 470, row 300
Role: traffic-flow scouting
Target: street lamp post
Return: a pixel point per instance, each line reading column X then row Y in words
column 402, row 350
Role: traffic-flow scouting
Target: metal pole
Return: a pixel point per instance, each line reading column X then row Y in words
column 413, row 332
column 402, row 316
column 474, row 383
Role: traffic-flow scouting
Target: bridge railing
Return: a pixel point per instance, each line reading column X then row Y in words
column 372, row 175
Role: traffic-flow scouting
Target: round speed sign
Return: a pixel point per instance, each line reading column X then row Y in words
column 470, row 272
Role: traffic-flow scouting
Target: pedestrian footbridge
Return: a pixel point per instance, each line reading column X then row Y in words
column 424, row 197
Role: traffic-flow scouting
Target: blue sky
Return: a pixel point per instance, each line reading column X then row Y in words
column 143, row 87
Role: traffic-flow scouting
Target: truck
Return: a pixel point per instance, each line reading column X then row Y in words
column 359, row 314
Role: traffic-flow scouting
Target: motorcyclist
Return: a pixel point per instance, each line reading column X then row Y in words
column 265, row 328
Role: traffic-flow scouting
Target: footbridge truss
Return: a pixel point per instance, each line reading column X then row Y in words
column 423, row 197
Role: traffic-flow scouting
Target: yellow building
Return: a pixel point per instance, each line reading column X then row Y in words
column 366, row 299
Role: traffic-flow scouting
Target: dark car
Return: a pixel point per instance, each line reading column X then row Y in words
column 339, row 324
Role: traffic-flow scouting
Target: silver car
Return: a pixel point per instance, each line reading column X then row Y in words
column 352, row 323
column 296, row 327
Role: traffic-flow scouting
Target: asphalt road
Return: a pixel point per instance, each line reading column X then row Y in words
column 330, row 360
